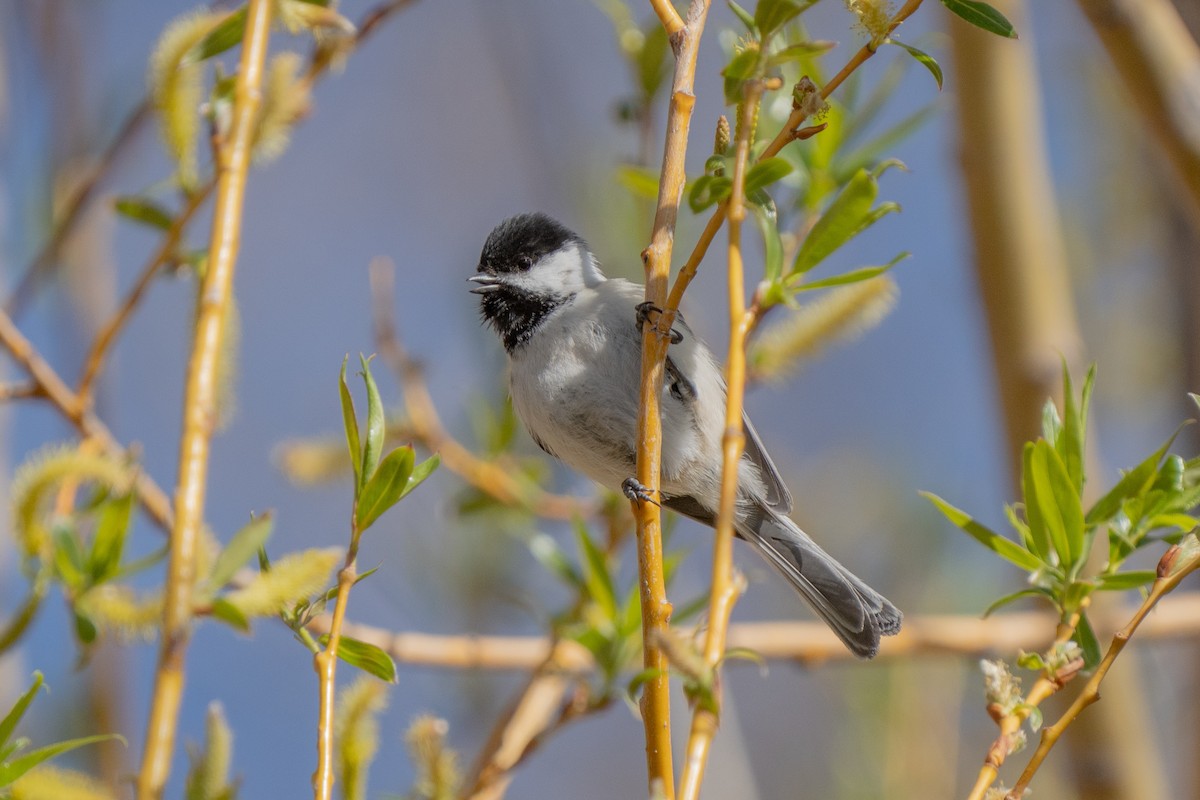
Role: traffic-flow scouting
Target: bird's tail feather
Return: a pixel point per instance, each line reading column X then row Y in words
column 858, row 614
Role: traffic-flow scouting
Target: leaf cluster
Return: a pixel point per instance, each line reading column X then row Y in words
column 1055, row 534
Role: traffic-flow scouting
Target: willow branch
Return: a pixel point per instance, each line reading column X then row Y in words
column 198, row 408
column 41, row 265
column 116, row 323
column 1010, row 722
column 535, row 713
column 498, row 480
column 671, row 21
column 1170, row 573
column 706, row 716
column 1157, row 59
column 790, row 132
column 656, row 610
column 48, row 384
column 325, row 665
column 809, row 644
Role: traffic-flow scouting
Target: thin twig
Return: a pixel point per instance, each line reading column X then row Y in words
column 1010, row 723
column 705, row 716
column 198, row 408
column 42, row 263
column 671, row 21
column 20, row 391
column 55, row 390
column 535, row 713
column 1170, row 574
column 495, row 479
column 809, row 644
column 116, row 323
column 325, row 665
column 656, row 610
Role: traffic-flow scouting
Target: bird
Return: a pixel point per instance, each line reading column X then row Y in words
column 573, row 339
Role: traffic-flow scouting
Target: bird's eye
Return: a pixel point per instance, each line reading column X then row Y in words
column 524, row 261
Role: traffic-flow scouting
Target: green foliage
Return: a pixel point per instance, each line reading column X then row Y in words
column 13, row 762
column 983, row 16
column 1153, row 502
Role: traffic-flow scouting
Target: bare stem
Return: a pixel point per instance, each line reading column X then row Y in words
column 811, row 644
column 325, row 665
column 199, row 398
column 705, row 717
column 656, row 610
column 116, row 323
column 44, row 261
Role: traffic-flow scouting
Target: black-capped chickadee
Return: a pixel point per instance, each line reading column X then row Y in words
column 574, row 345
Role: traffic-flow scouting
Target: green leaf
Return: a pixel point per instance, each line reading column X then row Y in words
column 870, row 152
column 848, row 215
column 766, row 172
column 708, row 190
column 241, row 548
column 373, row 447
column 982, row 15
column 13, row 717
column 1031, row 661
column 85, row 629
column 740, row 68
column 993, row 541
column 799, row 52
column 596, row 573
column 1034, row 715
column 550, row 555
column 1039, row 535
column 350, row 422
column 640, row 181
column 652, row 68
column 1133, row 484
column 853, row 276
column 1070, row 444
column 366, row 656
column 420, row 473
column 230, row 614
column 1051, row 423
column 145, row 211
column 1085, row 637
column 1058, row 502
column 771, row 15
column 1132, row 579
column 19, row 622
column 772, row 244
column 922, row 58
column 226, row 35
column 385, row 487
column 68, row 558
column 1015, row 596
column 743, row 15
column 10, row 771
column 108, row 544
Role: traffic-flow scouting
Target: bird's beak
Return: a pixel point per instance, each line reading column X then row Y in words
column 485, row 283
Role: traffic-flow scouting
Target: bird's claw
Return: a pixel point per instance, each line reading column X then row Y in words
column 635, row 490
column 644, row 310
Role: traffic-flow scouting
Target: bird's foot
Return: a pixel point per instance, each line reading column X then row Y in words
column 635, row 490
column 644, row 310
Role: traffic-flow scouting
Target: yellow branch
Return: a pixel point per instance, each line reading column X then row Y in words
column 325, row 665
column 656, row 610
column 724, row 593
column 199, row 398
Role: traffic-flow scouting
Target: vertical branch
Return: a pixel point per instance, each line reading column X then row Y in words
column 199, row 397
column 325, row 665
column 705, row 718
column 656, row 610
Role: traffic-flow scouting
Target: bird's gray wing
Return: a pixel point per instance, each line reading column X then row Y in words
column 778, row 498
